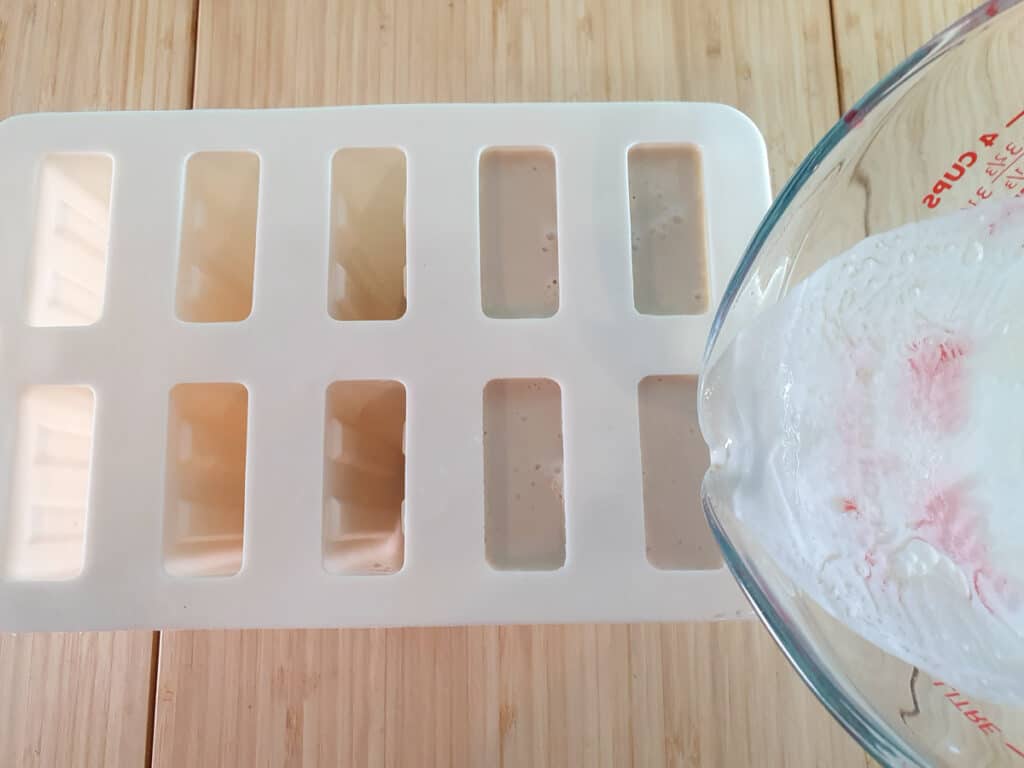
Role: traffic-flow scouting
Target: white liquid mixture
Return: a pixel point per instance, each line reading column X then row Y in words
column 870, row 428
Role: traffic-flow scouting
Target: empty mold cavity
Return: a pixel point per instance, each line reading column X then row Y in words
column 666, row 214
column 523, row 478
column 72, row 236
column 674, row 459
column 518, row 232
column 366, row 272
column 205, row 482
column 364, row 477
column 45, row 539
column 218, row 237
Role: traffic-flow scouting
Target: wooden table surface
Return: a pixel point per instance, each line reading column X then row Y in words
column 643, row 695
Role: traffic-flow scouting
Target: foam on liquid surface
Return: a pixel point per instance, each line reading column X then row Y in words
column 870, row 432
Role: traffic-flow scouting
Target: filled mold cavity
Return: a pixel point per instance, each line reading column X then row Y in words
column 45, row 539
column 674, row 458
column 218, row 237
column 518, row 232
column 667, row 229
column 524, row 506
column 366, row 270
column 72, row 237
column 364, row 477
column 205, row 482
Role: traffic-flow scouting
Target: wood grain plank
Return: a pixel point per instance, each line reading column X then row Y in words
column 84, row 699
column 602, row 695
column 386, row 51
column 114, row 54
column 873, row 36
column 645, row 695
column 75, row 699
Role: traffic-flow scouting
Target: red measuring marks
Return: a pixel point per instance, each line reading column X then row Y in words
column 974, row 715
column 1003, row 169
column 956, row 172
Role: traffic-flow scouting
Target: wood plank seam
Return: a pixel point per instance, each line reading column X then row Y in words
column 840, row 86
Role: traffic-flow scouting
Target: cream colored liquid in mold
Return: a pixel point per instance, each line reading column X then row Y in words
column 518, row 232
column 666, row 210
column 868, row 433
column 523, row 474
column 674, row 458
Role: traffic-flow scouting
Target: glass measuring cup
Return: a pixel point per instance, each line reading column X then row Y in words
column 943, row 131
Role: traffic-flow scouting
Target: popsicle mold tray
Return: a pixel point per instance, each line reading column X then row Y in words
column 363, row 366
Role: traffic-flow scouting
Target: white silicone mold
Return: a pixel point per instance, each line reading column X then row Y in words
column 363, row 366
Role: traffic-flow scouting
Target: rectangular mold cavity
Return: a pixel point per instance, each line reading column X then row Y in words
column 674, row 459
column 364, row 477
column 52, row 462
column 218, row 237
column 518, row 232
column 524, row 506
column 204, row 514
column 366, row 270
column 666, row 215
column 72, row 237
